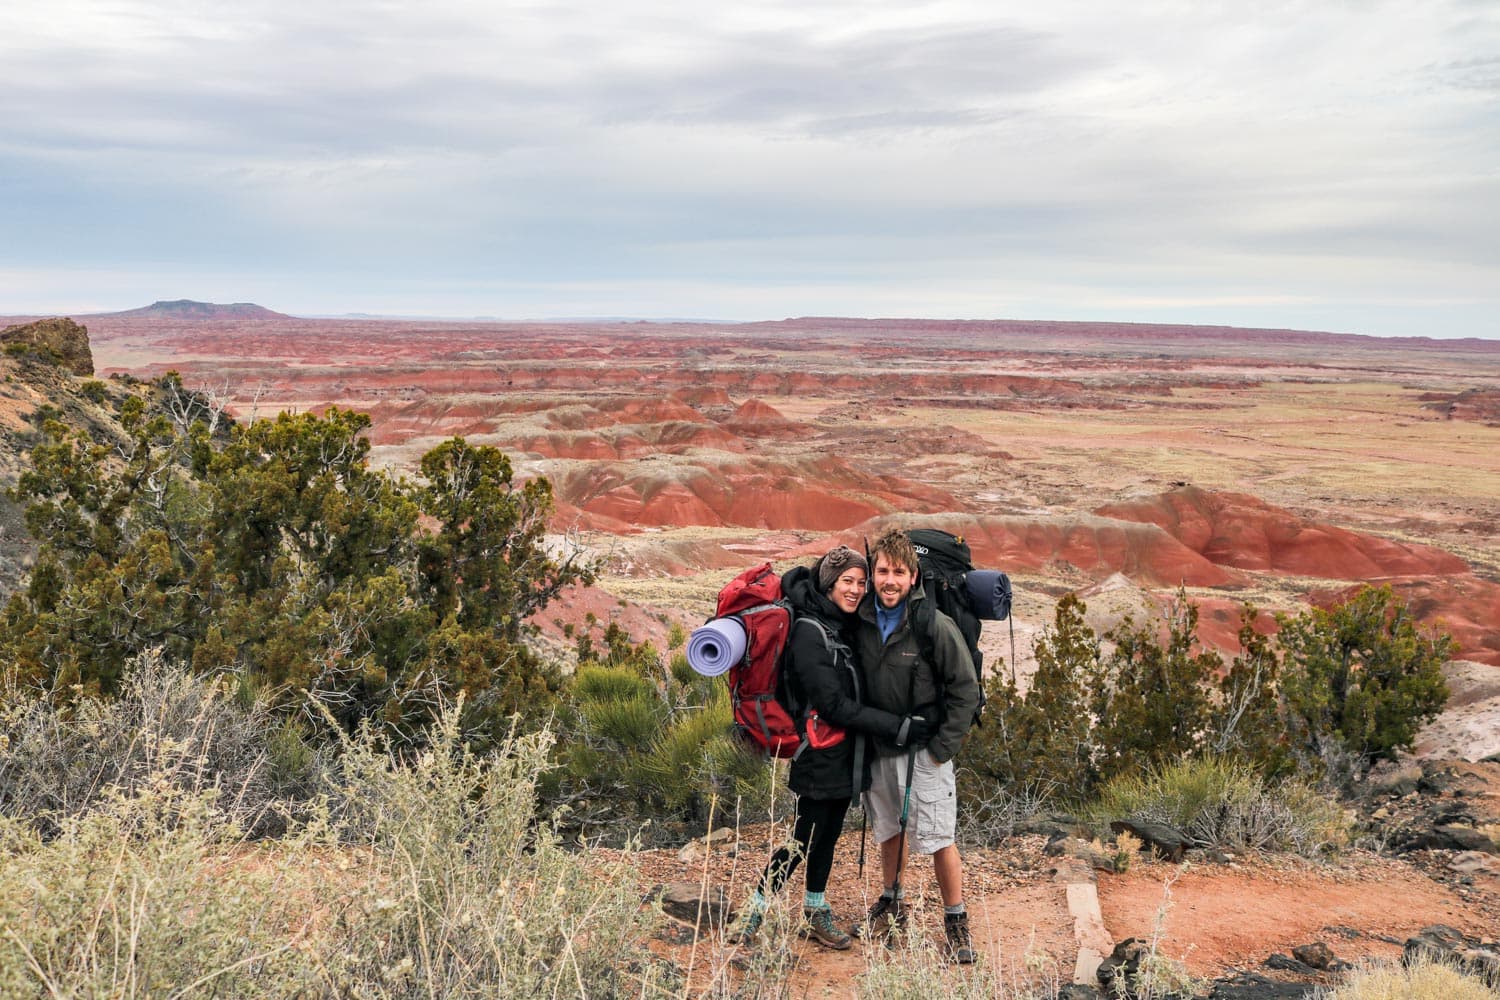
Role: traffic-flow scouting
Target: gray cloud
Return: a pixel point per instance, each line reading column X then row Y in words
column 822, row 154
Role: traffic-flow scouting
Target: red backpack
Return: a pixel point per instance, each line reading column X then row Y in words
column 754, row 599
column 761, row 718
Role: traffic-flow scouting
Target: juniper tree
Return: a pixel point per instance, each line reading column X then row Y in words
column 1360, row 675
column 272, row 549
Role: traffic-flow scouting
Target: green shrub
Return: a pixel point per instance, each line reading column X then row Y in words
column 641, row 745
column 633, row 722
column 1223, row 802
column 1332, row 689
column 1156, row 701
column 697, row 762
column 1040, row 744
column 1361, row 675
column 595, row 683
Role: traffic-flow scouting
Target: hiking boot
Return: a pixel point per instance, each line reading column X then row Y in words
column 746, row 929
column 818, row 926
column 960, row 943
column 886, row 916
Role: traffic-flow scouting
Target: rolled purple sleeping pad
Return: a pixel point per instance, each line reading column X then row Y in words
column 717, row 646
column 989, row 592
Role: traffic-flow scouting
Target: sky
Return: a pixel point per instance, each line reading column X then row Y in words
column 1308, row 164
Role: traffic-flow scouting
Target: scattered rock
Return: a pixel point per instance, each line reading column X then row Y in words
column 1122, row 965
column 1396, row 783
column 1074, row 847
column 62, row 338
column 1078, row 991
column 1470, row 862
column 1168, row 843
column 1254, row 986
column 1050, row 826
column 1450, row 837
column 1317, row 955
column 1283, row 963
column 687, row 901
column 696, row 850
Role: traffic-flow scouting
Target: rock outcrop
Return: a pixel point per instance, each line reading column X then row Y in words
column 57, row 337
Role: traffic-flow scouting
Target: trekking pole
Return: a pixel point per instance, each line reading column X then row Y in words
column 1012, row 650
column 864, row 817
column 911, row 764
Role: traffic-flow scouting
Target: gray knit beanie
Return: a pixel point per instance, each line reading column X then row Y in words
column 832, row 566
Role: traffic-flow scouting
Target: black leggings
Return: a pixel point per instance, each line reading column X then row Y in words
column 819, row 823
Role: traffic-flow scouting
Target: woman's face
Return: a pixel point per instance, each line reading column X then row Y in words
column 848, row 589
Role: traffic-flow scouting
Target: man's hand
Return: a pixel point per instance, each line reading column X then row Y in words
column 915, row 731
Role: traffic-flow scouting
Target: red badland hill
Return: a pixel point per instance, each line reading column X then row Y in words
column 1233, row 529
column 1313, row 457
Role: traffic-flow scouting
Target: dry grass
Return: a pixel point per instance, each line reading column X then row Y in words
column 1422, row 980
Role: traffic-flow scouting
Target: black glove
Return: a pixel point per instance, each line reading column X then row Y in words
column 915, row 731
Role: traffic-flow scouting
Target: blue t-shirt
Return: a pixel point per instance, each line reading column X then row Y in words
column 888, row 618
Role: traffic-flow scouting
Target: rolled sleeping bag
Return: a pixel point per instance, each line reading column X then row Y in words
column 989, row 593
column 715, row 647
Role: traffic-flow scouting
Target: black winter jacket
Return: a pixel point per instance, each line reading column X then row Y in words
column 822, row 676
column 899, row 679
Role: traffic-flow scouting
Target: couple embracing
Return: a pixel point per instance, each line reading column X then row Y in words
column 857, row 659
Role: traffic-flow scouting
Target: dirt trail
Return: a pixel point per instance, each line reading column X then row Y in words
column 1213, row 917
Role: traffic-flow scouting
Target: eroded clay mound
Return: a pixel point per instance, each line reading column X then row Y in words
column 1479, row 405
column 814, row 494
column 757, row 418
column 625, row 442
column 1244, row 532
column 702, row 396
column 1096, row 546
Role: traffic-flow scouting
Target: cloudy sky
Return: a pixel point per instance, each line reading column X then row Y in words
column 1315, row 164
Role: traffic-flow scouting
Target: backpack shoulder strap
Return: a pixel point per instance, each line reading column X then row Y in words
column 822, row 630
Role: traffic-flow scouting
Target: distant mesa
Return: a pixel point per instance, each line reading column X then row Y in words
column 189, row 309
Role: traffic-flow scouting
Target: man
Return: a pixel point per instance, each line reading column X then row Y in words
column 931, row 677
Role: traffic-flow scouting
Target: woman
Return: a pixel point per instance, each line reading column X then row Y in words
column 832, row 765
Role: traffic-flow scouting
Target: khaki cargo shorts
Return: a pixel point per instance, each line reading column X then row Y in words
column 933, row 814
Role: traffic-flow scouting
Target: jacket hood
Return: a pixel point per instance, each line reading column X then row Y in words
column 802, row 591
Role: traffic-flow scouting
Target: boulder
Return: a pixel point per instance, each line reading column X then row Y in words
column 1317, row 955
column 1450, row 837
column 1396, row 782
column 690, row 903
column 1122, row 967
column 1169, row 843
column 1470, row 862
column 1254, row 986
column 1284, row 963
column 1441, row 943
column 61, row 338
